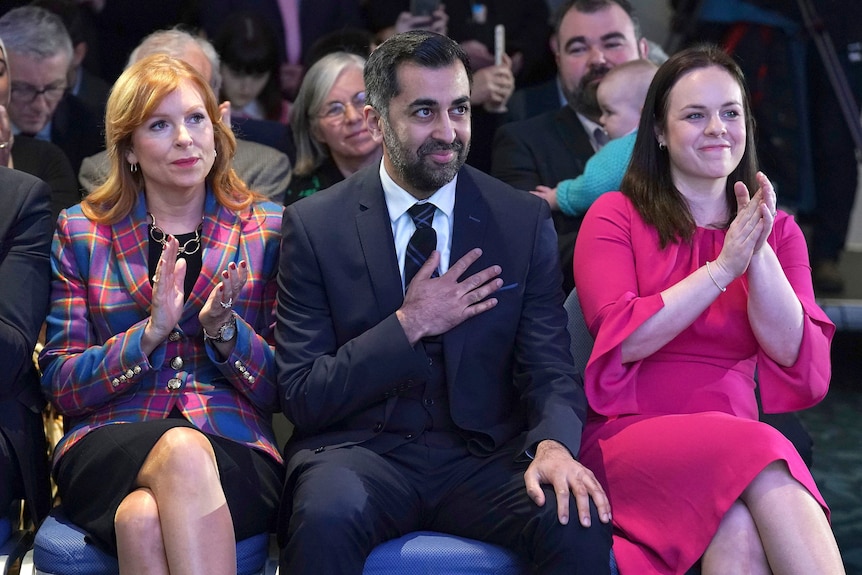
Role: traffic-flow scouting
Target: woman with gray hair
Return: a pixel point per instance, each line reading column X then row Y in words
column 332, row 140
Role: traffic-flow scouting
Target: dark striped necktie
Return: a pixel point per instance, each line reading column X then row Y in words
column 422, row 242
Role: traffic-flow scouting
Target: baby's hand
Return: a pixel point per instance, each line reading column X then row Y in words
column 549, row 195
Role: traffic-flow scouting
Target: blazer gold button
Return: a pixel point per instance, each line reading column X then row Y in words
column 174, row 336
column 177, row 362
column 174, row 384
column 115, row 382
column 130, row 374
column 137, row 369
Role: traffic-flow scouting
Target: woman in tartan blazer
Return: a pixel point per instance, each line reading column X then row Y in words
column 161, row 320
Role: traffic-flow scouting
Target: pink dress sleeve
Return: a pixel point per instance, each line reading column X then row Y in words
column 806, row 382
column 607, row 285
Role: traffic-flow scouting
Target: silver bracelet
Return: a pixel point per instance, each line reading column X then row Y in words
column 709, row 271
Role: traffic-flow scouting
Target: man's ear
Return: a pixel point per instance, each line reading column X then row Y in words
column 643, row 46
column 374, row 123
column 79, row 52
column 224, row 110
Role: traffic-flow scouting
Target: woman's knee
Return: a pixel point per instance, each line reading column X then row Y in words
column 736, row 546
column 182, row 453
column 138, row 514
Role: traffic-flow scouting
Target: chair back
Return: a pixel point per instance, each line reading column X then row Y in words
column 581, row 340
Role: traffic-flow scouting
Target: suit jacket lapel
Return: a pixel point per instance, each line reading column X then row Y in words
column 376, row 242
column 572, row 132
column 220, row 237
column 471, row 222
column 130, row 238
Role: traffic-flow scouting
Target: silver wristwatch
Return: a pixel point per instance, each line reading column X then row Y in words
column 226, row 332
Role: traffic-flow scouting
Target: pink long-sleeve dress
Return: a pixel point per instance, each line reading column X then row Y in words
column 674, row 437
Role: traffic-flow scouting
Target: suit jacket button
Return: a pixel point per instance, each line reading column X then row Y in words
column 177, row 362
column 174, row 336
column 408, row 436
column 174, row 384
column 319, row 450
column 378, row 428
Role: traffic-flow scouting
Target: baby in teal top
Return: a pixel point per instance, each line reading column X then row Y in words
column 621, row 96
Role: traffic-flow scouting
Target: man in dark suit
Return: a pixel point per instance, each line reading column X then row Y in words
column 25, row 237
column 590, row 37
column 40, row 55
column 446, row 402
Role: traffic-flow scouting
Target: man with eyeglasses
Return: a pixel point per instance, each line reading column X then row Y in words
column 40, row 54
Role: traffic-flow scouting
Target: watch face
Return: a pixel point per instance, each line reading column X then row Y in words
column 227, row 332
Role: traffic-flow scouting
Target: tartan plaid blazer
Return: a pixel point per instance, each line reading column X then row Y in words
column 94, row 371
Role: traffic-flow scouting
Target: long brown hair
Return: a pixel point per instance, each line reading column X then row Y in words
column 648, row 182
column 135, row 96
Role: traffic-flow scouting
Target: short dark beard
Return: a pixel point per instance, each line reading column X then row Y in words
column 585, row 99
column 424, row 178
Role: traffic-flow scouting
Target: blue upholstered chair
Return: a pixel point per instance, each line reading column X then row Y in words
column 7, row 545
column 427, row 552
column 431, row 553
column 61, row 548
column 14, row 543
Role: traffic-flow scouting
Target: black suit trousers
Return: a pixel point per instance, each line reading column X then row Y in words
column 341, row 503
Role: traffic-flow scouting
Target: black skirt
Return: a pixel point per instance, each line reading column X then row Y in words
column 99, row 471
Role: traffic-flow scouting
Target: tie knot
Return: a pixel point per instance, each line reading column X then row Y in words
column 422, row 214
column 601, row 137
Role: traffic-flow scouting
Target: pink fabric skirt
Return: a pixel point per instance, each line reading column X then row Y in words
column 671, row 479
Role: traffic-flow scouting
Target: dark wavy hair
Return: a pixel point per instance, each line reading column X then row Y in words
column 420, row 47
column 648, row 182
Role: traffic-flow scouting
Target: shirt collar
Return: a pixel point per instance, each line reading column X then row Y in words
column 399, row 200
column 590, row 127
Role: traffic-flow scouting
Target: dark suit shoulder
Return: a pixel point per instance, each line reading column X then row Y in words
column 541, row 124
column 17, row 181
column 533, row 100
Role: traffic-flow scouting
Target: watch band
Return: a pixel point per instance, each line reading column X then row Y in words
column 220, row 337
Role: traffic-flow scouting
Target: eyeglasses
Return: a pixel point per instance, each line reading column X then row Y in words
column 27, row 94
column 337, row 110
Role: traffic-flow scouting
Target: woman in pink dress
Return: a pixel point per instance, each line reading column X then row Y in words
column 689, row 282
